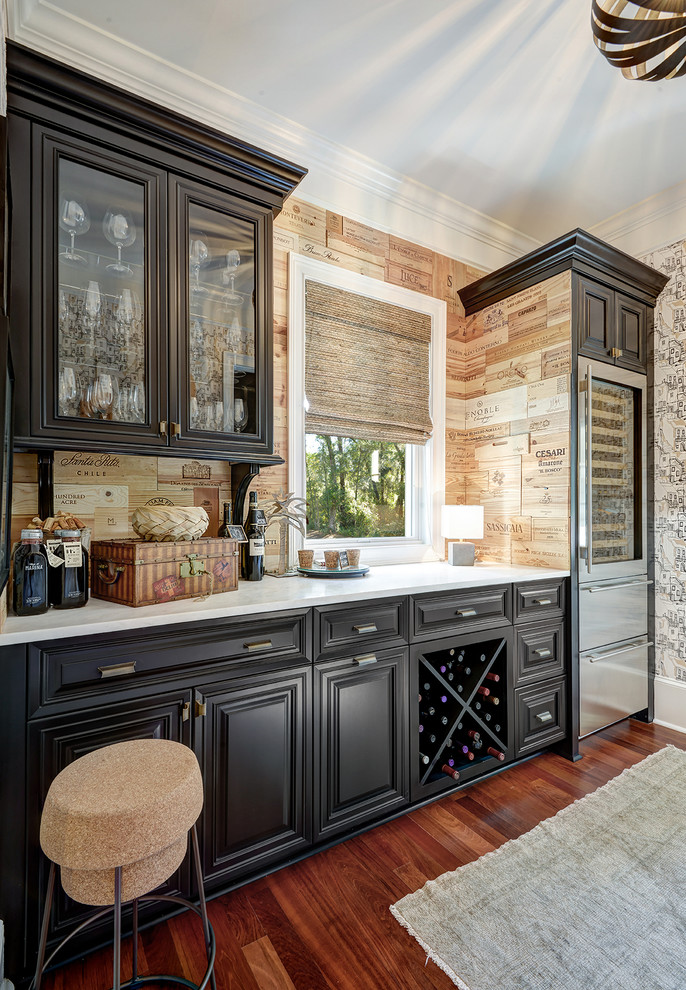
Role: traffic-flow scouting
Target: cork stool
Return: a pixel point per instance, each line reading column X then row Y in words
column 117, row 821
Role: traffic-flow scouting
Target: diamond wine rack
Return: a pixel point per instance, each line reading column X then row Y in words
column 463, row 710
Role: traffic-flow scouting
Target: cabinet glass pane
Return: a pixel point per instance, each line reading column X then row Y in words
column 221, row 314
column 101, row 364
column 613, row 473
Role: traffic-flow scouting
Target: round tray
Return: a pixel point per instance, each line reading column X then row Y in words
column 343, row 572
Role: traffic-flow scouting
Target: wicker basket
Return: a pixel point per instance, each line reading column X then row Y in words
column 164, row 523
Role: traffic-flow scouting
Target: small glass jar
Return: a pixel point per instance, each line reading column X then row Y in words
column 68, row 583
column 30, row 575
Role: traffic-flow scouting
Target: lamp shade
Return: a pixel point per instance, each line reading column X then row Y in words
column 462, row 522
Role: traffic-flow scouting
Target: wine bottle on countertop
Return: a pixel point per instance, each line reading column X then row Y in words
column 30, row 575
column 226, row 522
column 252, row 552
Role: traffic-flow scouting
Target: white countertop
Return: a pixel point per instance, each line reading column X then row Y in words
column 269, row 595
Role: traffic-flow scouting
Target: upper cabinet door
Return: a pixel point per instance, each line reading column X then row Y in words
column 222, row 305
column 632, row 332
column 103, row 371
column 596, row 319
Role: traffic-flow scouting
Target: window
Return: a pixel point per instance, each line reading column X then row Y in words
column 380, row 494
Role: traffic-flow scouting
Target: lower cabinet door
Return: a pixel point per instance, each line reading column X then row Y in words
column 257, row 768
column 360, row 740
column 54, row 743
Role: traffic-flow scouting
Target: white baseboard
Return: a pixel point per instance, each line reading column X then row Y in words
column 670, row 703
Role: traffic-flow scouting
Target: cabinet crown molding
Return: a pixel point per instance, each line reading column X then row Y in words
column 576, row 251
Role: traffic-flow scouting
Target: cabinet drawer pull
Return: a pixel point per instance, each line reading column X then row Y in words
column 200, row 709
column 542, row 601
column 366, row 627
column 543, row 653
column 186, row 711
column 262, row 644
column 118, row 669
column 464, row 612
column 365, row 659
column 544, row 717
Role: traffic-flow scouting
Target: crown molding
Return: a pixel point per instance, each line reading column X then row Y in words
column 648, row 225
column 339, row 179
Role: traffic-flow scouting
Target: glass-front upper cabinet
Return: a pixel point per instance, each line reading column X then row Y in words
column 222, row 367
column 102, row 376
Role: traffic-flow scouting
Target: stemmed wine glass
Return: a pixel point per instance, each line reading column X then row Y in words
column 75, row 219
column 120, row 230
column 233, row 260
column 240, row 414
column 198, row 254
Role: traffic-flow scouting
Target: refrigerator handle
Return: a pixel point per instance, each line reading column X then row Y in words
column 589, row 469
column 618, row 584
column 594, row 657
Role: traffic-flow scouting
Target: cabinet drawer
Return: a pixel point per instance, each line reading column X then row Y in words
column 544, row 599
column 539, row 652
column 349, row 629
column 540, row 716
column 458, row 611
column 74, row 668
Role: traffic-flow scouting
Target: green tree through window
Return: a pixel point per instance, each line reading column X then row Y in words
column 355, row 488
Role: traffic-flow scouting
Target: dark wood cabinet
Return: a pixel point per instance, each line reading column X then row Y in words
column 141, row 272
column 612, row 326
column 302, row 736
column 360, row 750
column 257, row 759
column 54, row 743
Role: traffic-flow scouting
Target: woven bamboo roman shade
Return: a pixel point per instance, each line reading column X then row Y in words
column 367, row 367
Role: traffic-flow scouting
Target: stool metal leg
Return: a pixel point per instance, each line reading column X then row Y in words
column 117, row 929
column 134, row 946
column 201, row 895
column 44, row 927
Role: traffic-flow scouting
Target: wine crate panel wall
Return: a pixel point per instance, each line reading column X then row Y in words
column 103, row 490
column 508, row 386
column 668, row 516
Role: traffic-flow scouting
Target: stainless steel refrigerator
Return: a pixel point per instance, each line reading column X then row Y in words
column 613, row 572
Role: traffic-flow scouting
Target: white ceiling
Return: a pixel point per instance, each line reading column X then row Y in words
column 505, row 106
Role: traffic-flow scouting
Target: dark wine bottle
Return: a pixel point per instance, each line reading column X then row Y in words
column 30, row 574
column 473, row 734
column 492, row 699
column 68, row 573
column 492, row 751
column 483, row 691
column 224, row 527
column 252, row 552
column 450, row 771
column 490, row 676
column 424, row 759
column 464, row 669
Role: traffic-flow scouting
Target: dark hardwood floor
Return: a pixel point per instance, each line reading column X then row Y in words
column 324, row 922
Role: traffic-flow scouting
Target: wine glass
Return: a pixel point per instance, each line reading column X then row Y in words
column 75, row 219
column 120, row 230
column 198, row 254
column 240, row 414
column 92, row 304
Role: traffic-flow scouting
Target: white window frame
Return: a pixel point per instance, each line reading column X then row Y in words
column 426, row 465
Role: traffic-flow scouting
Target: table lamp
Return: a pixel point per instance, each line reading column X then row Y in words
column 460, row 522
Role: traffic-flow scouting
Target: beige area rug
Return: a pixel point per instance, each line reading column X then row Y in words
column 592, row 899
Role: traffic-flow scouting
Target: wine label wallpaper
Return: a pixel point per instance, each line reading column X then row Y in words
column 668, row 408
column 508, row 444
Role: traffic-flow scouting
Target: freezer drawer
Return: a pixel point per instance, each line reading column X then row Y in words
column 612, row 610
column 613, row 683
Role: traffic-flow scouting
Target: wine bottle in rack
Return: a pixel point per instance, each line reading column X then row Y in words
column 492, row 751
column 490, row 676
column 450, row 771
column 484, row 691
column 473, row 734
column 424, row 759
column 492, row 699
